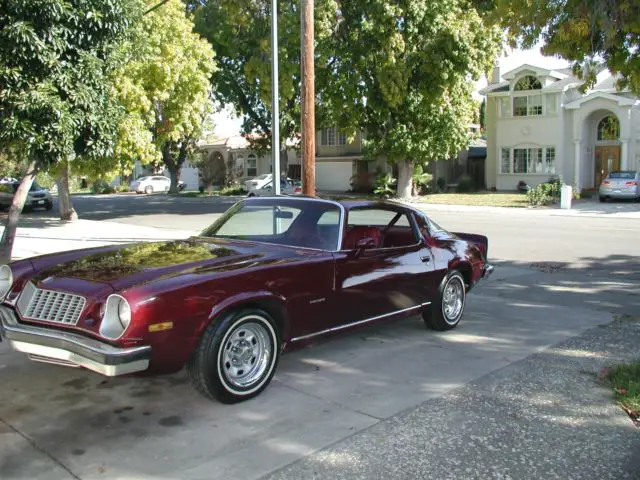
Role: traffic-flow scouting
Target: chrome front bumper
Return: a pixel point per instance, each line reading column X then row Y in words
column 70, row 349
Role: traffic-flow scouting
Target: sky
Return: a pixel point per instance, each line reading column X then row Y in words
column 226, row 125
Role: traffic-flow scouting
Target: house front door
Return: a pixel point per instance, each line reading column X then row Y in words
column 607, row 159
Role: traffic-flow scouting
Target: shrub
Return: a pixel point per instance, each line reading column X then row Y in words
column 102, row 187
column 385, row 185
column 123, row 188
column 421, row 180
column 541, row 195
column 465, row 184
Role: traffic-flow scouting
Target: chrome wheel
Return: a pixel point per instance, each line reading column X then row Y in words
column 453, row 300
column 247, row 354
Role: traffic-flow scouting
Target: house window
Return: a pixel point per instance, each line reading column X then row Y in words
column 239, row 165
column 252, row 166
column 328, row 137
column 505, row 166
column 528, row 106
column 534, row 105
column 520, row 107
column 527, row 83
column 608, row 129
column 528, row 160
column 550, row 160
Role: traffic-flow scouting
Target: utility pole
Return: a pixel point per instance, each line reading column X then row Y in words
column 308, row 99
column 275, row 99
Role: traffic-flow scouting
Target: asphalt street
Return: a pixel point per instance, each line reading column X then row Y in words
column 511, row 393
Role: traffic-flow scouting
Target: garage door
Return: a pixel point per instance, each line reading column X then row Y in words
column 334, row 176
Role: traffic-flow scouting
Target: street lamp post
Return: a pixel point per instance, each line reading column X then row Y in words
column 275, row 97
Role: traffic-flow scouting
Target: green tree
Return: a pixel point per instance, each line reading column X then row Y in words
column 585, row 32
column 402, row 72
column 55, row 102
column 483, row 115
column 165, row 88
column 239, row 31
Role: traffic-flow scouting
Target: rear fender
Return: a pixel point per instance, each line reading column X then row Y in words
column 480, row 241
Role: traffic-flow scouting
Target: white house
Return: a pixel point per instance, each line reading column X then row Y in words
column 540, row 125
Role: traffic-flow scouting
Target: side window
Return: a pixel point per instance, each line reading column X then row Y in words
column 422, row 226
column 387, row 228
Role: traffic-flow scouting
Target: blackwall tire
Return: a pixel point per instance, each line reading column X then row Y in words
column 445, row 313
column 236, row 357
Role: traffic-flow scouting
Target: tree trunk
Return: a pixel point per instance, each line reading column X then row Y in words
column 405, row 178
column 284, row 163
column 9, row 234
column 67, row 213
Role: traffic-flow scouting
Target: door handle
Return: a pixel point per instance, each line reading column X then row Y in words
column 425, row 259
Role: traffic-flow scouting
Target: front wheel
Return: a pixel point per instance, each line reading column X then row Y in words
column 236, row 357
column 445, row 313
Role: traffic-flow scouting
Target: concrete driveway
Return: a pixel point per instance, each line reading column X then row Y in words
column 60, row 423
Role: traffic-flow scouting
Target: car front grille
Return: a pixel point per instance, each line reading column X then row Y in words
column 47, row 305
column 38, row 195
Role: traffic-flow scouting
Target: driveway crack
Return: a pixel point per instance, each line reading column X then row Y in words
column 40, row 449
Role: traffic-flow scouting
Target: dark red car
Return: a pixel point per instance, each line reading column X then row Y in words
column 269, row 275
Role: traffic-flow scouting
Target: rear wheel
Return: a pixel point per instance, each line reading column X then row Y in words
column 445, row 313
column 602, row 199
column 236, row 357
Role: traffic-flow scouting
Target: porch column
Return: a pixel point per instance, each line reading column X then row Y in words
column 576, row 170
column 624, row 154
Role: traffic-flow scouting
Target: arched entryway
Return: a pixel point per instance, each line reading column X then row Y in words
column 607, row 149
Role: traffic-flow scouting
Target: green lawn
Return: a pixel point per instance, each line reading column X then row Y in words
column 480, row 199
column 625, row 381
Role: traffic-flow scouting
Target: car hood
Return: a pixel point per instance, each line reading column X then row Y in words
column 124, row 266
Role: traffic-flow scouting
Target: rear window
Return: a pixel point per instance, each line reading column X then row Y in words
column 624, row 175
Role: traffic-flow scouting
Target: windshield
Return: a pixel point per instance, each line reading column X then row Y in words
column 264, row 176
column 283, row 221
column 625, row 175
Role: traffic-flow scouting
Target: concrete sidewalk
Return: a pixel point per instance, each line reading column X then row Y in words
column 626, row 210
column 547, row 416
column 38, row 236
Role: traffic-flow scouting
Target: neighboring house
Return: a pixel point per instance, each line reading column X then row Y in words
column 540, row 125
column 337, row 159
column 339, row 162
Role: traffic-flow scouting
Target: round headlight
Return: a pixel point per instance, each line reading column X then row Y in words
column 6, row 280
column 124, row 313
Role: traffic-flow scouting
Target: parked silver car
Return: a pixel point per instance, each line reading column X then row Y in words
column 287, row 187
column 620, row 185
column 37, row 197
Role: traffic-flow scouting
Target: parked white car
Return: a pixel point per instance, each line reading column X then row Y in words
column 287, row 187
column 257, row 182
column 151, row 184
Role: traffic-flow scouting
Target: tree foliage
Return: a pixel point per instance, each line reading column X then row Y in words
column 239, row 31
column 585, row 32
column 55, row 58
column 402, row 72
column 165, row 88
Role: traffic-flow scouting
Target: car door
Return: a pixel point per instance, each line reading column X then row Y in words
column 387, row 278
